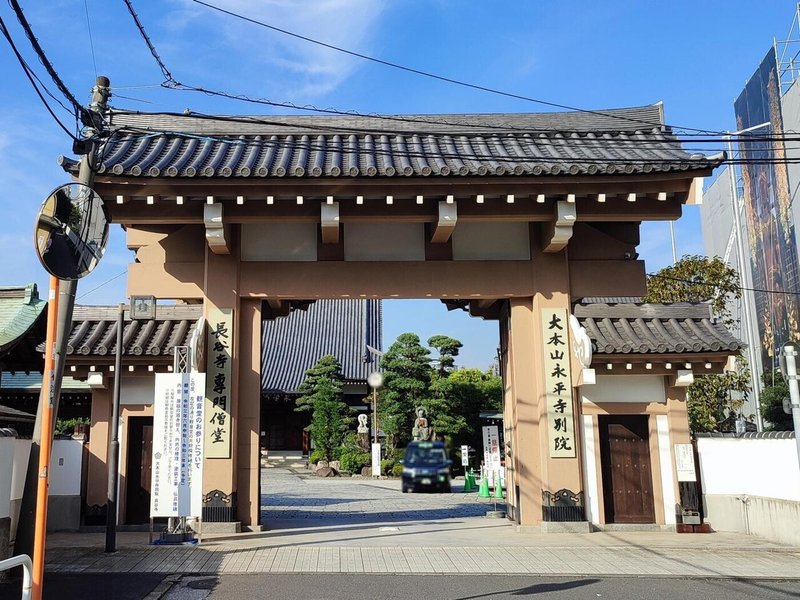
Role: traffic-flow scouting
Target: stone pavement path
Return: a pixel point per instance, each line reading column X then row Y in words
column 285, row 494
column 362, row 526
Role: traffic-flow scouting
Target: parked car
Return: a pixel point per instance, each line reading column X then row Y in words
column 426, row 467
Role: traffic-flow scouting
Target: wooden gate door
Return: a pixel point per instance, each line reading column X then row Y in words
column 625, row 463
column 140, row 462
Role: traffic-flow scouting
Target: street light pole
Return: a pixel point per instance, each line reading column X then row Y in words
column 740, row 258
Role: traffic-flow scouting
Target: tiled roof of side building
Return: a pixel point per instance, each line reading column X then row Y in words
column 614, row 141
column 20, row 309
column 293, row 344
column 654, row 328
column 94, row 331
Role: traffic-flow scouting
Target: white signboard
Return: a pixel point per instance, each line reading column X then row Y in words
column 218, row 394
column 376, row 460
column 176, row 486
column 684, row 462
column 491, row 451
column 558, row 383
column 464, row 456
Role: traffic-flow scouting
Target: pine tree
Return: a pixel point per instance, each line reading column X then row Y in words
column 321, row 394
column 407, row 376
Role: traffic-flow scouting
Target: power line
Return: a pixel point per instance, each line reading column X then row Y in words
column 170, row 82
column 106, row 282
column 79, row 109
column 91, row 40
column 430, row 75
column 718, row 285
column 32, row 78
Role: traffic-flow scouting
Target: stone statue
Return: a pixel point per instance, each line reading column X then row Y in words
column 363, row 432
column 421, row 432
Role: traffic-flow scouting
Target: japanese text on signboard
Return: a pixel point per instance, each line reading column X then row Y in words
column 219, row 384
column 558, row 383
column 177, row 467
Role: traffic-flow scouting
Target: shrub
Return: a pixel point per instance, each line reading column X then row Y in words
column 315, row 457
column 353, row 460
column 397, row 470
column 387, row 464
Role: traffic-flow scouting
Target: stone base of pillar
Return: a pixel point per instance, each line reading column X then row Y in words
column 558, row 527
column 222, row 527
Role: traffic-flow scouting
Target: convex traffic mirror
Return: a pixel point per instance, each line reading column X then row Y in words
column 71, row 231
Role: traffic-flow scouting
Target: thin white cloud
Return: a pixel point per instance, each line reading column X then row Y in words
column 297, row 69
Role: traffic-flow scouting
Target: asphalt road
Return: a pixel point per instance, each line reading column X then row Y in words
column 471, row 587
column 98, row 586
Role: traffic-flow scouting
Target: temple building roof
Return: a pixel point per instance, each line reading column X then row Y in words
column 293, row 344
column 635, row 328
column 22, row 326
column 614, row 141
column 94, row 331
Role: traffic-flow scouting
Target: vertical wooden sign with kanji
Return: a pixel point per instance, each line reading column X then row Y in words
column 218, row 383
column 558, row 383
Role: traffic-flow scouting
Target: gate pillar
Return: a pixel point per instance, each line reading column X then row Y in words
column 541, row 407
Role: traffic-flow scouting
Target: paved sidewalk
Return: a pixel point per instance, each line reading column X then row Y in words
column 362, row 526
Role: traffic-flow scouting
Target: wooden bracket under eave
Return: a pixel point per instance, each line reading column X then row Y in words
column 558, row 232
column 329, row 220
column 217, row 233
column 448, row 217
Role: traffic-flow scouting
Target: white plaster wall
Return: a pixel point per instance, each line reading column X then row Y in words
column 776, row 520
column 65, row 468
column 384, row 241
column 22, row 452
column 137, row 390
column 744, row 466
column 665, row 461
column 590, row 475
column 491, row 241
column 279, row 241
column 6, row 474
column 625, row 388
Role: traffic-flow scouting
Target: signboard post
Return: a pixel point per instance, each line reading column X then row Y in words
column 176, row 488
column 465, row 456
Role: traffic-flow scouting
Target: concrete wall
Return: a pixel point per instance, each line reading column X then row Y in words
column 64, row 506
column 6, row 472
column 751, row 485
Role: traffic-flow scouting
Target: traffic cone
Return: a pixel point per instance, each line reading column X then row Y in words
column 498, row 488
column 472, row 484
column 467, row 483
column 483, row 491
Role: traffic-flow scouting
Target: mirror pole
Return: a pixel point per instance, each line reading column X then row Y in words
column 26, row 524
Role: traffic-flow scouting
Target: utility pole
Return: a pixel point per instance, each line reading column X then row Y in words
column 66, row 302
column 113, row 444
column 790, row 353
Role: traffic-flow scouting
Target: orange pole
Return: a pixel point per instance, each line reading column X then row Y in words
column 46, row 442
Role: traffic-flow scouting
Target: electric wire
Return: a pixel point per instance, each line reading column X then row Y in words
column 106, row 282
column 91, row 39
column 170, row 82
column 739, row 288
column 435, row 76
column 79, row 109
column 31, row 78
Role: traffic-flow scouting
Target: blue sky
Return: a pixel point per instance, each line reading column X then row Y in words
column 693, row 56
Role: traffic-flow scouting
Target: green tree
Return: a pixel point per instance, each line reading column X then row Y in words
column 697, row 279
column 407, row 377
column 711, row 398
column 448, row 350
column 772, row 396
column 471, row 392
column 321, row 394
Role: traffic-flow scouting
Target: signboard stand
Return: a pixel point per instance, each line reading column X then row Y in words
column 178, row 454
